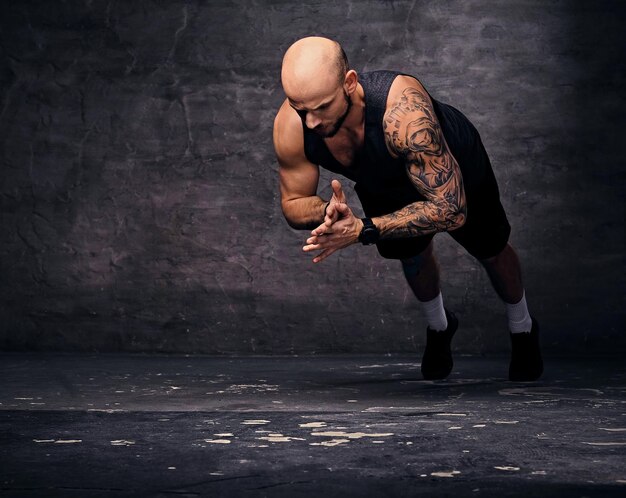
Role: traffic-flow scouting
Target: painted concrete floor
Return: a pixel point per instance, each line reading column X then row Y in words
column 134, row 425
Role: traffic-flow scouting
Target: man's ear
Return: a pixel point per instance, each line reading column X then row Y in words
column 350, row 81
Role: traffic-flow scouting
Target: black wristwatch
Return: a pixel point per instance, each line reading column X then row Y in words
column 369, row 234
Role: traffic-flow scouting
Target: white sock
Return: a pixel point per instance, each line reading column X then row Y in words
column 435, row 314
column 519, row 318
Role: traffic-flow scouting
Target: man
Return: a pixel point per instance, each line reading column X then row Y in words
column 420, row 168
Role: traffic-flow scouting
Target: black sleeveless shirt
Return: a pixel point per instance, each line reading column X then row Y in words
column 373, row 169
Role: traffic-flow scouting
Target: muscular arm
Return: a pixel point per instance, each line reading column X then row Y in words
column 302, row 207
column 412, row 131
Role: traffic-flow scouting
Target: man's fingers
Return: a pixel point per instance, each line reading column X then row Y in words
column 318, row 242
column 327, row 237
column 338, row 190
column 342, row 208
column 320, row 238
column 311, row 247
column 331, row 216
column 323, row 255
column 323, row 229
column 316, row 239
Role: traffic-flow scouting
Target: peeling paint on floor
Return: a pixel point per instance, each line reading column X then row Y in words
column 279, row 438
column 350, row 435
column 540, row 450
column 121, row 442
column 450, row 473
column 331, row 442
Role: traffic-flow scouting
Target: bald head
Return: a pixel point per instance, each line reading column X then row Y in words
column 313, row 66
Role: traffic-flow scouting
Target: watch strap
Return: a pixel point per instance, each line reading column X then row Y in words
column 369, row 233
column 367, row 223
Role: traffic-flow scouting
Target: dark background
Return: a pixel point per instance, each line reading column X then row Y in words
column 139, row 193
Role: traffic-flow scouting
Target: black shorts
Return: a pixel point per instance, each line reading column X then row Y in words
column 485, row 232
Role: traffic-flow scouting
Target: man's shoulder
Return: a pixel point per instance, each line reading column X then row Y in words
column 287, row 120
column 405, row 84
column 287, row 133
column 380, row 78
column 384, row 87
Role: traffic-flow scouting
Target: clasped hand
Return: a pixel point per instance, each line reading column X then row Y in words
column 339, row 229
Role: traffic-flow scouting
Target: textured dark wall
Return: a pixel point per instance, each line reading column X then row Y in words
column 139, row 189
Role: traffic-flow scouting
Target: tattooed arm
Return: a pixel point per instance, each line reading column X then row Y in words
column 412, row 131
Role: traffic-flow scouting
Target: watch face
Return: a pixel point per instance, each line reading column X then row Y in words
column 369, row 235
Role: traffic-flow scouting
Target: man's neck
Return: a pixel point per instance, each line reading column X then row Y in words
column 353, row 126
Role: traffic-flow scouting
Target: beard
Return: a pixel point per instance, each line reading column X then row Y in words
column 337, row 124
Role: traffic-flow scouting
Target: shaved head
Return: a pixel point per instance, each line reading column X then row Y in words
column 312, row 67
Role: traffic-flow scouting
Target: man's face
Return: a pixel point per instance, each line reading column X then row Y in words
column 325, row 119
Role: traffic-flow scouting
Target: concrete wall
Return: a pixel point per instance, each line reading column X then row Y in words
column 138, row 186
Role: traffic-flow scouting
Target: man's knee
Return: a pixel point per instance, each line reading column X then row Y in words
column 494, row 260
column 413, row 266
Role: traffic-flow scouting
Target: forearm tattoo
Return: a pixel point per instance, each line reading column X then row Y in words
column 412, row 131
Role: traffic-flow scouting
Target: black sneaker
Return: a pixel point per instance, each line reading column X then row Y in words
column 437, row 361
column 526, row 363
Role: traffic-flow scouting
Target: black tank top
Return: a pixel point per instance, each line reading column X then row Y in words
column 373, row 168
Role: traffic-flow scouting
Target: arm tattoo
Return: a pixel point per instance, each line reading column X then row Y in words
column 412, row 130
